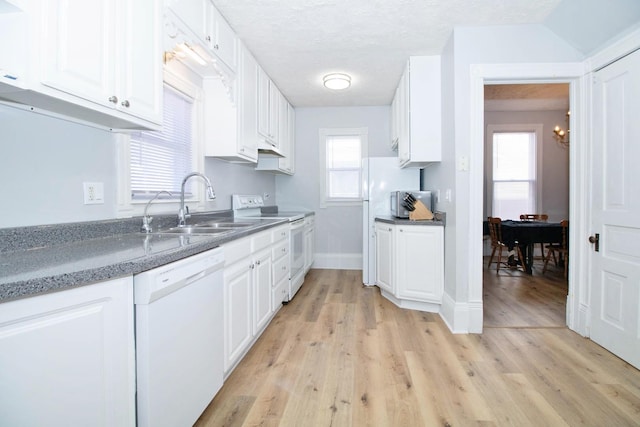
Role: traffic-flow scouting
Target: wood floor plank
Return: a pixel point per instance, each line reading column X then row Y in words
column 339, row 354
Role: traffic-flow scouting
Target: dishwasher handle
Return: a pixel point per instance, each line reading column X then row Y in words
column 162, row 281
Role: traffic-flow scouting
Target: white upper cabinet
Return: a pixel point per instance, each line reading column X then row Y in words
column 268, row 110
column 286, row 134
column 208, row 28
column 98, row 60
column 416, row 113
column 231, row 131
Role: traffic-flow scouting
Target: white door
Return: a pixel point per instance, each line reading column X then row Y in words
column 615, row 271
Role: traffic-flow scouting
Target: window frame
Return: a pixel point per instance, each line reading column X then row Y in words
column 537, row 129
column 129, row 206
column 324, row 134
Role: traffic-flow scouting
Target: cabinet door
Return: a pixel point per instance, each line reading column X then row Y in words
column 139, row 87
column 263, row 104
column 67, row 358
column 237, row 311
column 78, row 48
column 262, row 289
column 248, row 108
column 194, row 14
column 420, row 263
column 224, row 44
column 275, row 100
column 384, row 257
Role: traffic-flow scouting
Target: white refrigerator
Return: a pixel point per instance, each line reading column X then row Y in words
column 381, row 176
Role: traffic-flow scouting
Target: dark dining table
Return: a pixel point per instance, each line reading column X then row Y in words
column 527, row 233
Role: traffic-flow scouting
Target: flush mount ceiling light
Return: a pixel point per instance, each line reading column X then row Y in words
column 337, row 81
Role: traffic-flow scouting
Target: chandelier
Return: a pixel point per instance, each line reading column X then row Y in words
column 561, row 136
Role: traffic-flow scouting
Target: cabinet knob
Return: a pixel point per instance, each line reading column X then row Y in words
column 125, row 103
column 208, row 38
column 258, row 262
column 113, row 99
column 216, row 47
column 252, row 266
column 284, row 267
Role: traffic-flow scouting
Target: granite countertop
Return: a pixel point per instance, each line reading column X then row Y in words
column 438, row 220
column 41, row 259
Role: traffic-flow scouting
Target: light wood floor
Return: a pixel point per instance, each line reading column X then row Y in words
column 341, row 355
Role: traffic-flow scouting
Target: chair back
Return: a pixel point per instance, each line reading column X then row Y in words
column 534, row 217
column 565, row 228
column 495, row 230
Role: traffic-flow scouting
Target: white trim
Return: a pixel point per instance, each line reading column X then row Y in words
column 520, row 73
column 459, row 316
column 615, row 51
column 338, row 261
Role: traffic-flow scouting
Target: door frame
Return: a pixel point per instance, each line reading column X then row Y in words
column 579, row 96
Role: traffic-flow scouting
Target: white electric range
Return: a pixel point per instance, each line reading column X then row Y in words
column 252, row 206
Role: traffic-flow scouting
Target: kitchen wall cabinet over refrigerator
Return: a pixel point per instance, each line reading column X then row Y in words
column 416, row 113
column 99, row 61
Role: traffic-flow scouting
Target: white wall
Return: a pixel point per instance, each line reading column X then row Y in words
column 43, row 164
column 338, row 229
column 45, row 160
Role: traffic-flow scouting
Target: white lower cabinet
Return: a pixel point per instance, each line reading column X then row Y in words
column 384, row 256
column 410, row 265
column 67, row 358
column 309, row 242
column 249, row 303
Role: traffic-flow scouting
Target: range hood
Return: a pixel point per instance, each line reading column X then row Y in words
column 266, row 149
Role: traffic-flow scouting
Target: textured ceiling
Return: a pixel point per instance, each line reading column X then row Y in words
column 526, row 97
column 299, row 41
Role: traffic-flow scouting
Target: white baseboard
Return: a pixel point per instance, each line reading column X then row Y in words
column 336, row 261
column 461, row 318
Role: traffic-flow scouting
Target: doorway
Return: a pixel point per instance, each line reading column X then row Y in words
column 540, row 184
column 571, row 73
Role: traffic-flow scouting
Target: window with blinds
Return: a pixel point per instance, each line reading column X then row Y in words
column 160, row 160
column 341, row 152
column 514, row 174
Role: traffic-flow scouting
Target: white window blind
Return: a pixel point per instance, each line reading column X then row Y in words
column 160, row 160
column 514, row 174
column 343, row 173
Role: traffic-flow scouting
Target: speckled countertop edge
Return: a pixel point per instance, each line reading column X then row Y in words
column 439, row 220
column 32, row 240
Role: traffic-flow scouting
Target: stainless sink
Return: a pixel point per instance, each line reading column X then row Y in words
column 194, row 230
column 213, row 224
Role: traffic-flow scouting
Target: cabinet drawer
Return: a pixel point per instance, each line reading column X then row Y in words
column 280, row 249
column 237, row 250
column 281, row 233
column 280, row 269
column 280, row 293
column 261, row 240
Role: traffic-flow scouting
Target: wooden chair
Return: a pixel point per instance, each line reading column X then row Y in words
column 536, row 217
column 495, row 231
column 561, row 249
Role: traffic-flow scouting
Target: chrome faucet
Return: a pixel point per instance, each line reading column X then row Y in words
column 146, row 219
column 183, row 213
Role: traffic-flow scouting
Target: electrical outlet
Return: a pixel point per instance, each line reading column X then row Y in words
column 93, row 193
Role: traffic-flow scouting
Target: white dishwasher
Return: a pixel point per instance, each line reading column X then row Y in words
column 179, row 339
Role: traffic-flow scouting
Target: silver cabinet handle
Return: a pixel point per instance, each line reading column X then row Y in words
column 258, row 262
column 113, row 99
column 125, row 103
column 216, row 47
column 252, row 266
column 208, row 38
